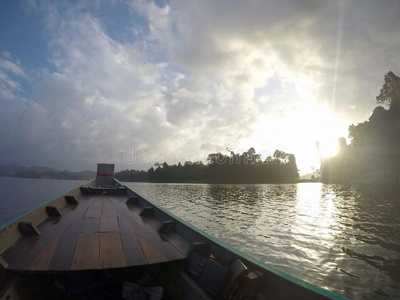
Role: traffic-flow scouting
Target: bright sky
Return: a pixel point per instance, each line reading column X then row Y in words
column 139, row 82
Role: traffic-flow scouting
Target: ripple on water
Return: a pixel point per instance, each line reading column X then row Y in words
column 330, row 235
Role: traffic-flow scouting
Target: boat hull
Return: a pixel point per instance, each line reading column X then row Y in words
column 271, row 282
column 113, row 235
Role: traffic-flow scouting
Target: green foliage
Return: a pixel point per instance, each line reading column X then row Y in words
column 374, row 144
column 189, row 172
column 131, row 175
column 390, row 92
column 233, row 168
column 382, row 129
column 249, row 168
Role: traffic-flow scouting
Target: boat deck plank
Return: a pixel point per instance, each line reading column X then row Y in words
column 95, row 208
column 87, row 254
column 64, row 253
column 111, row 253
column 100, row 232
column 109, row 209
column 24, row 251
column 152, row 254
column 152, row 222
column 43, row 260
column 90, row 225
column 109, row 224
column 14, row 255
column 176, row 241
column 133, row 252
column 148, row 232
column 66, row 208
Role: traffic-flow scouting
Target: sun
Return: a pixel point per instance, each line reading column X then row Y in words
column 327, row 148
column 298, row 131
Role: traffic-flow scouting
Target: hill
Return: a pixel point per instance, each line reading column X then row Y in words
column 13, row 170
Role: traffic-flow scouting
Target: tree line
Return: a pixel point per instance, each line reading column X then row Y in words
column 373, row 154
column 247, row 167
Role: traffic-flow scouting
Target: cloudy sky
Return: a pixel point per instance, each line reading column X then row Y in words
column 139, row 82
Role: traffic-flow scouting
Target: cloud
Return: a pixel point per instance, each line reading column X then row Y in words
column 10, row 73
column 12, row 67
column 307, row 39
column 189, row 74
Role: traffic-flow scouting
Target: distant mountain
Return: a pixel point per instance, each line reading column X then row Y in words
column 12, row 170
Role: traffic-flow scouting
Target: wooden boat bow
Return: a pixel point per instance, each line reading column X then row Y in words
column 104, row 227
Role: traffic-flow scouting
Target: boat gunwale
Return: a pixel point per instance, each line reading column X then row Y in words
column 297, row 281
column 263, row 266
column 16, row 219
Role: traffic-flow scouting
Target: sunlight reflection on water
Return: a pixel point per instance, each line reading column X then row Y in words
column 330, row 235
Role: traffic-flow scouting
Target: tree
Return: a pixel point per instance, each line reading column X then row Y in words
column 281, row 156
column 216, row 158
column 390, row 92
column 374, row 144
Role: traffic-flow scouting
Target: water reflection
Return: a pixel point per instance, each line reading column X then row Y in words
column 334, row 236
column 236, row 204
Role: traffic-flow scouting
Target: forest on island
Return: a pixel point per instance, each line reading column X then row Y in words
column 373, row 155
column 247, row 167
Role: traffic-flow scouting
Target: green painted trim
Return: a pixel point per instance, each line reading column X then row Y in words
column 295, row 280
column 39, row 206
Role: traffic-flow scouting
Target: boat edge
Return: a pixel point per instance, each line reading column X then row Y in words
column 5, row 225
column 317, row 289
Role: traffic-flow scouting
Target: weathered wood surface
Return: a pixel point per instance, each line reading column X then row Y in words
column 133, row 251
column 65, row 250
column 111, row 253
column 43, row 259
column 109, row 224
column 100, row 232
column 90, row 225
column 87, row 254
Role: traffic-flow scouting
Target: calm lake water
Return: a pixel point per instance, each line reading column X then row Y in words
column 20, row 195
column 333, row 236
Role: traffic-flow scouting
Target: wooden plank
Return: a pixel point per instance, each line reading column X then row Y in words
column 152, row 254
column 132, row 249
column 109, row 224
column 24, row 251
column 135, row 208
column 146, row 230
column 153, row 222
column 62, row 257
column 109, row 209
column 111, row 253
column 10, row 235
column 152, row 236
column 67, row 207
column 70, row 252
column 42, row 261
column 87, row 252
column 91, row 225
column 175, row 240
column 95, row 208
column 133, row 252
column 15, row 256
